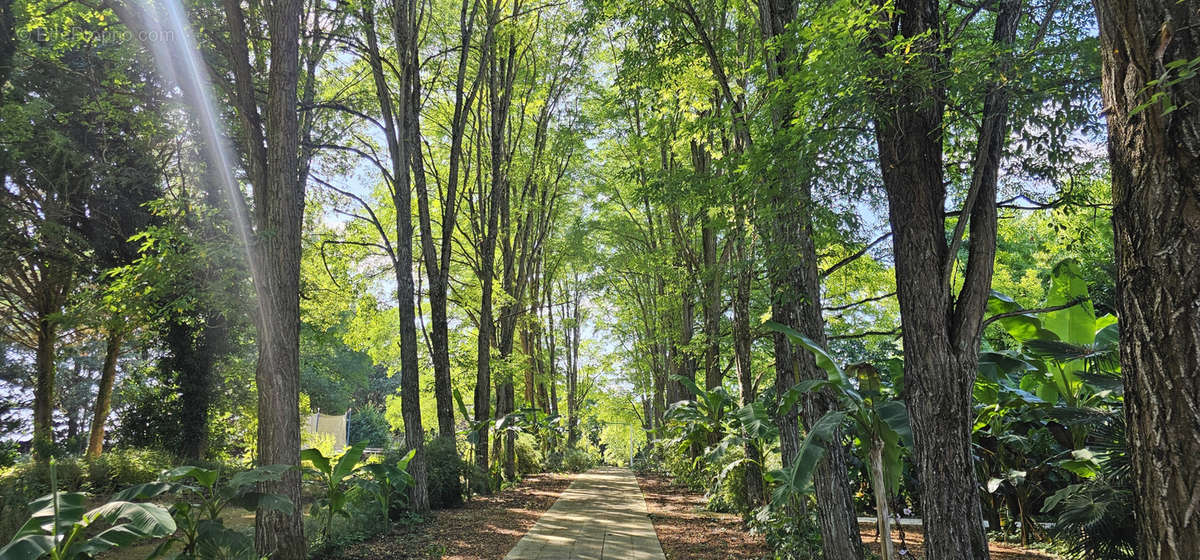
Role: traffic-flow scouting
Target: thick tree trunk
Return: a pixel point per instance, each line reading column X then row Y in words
column 108, row 375
column 1156, row 214
column 941, row 332
column 792, row 267
column 278, row 209
column 43, row 388
column 191, row 358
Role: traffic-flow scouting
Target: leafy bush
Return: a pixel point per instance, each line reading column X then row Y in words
column 369, row 424
column 389, row 484
column 119, row 468
column 792, row 537
column 444, row 472
column 24, row 482
column 728, row 493
column 10, row 451
column 202, row 533
column 578, row 460
column 334, row 478
column 529, row 458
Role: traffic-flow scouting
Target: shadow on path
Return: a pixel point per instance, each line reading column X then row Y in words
column 602, row 516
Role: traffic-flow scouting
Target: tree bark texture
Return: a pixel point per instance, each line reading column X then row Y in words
column 792, row 268
column 1156, row 216
column 108, row 374
column 278, row 215
column 941, row 331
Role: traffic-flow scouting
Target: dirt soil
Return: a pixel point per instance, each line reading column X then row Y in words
column 912, row 537
column 688, row 532
column 484, row 529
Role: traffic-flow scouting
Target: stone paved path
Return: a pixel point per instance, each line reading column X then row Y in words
column 602, row 516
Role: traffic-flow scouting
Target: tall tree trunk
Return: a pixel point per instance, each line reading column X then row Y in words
column 8, row 42
column 108, row 375
column 685, row 363
column 499, row 91
column 1156, row 215
column 742, row 359
column 43, row 388
column 191, row 359
column 405, row 33
column 510, row 436
column 792, row 267
column 941, row 332
column 278, row 210
column 571, row 338
column 438, row 267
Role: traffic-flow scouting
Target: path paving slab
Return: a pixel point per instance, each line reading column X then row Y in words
column 602, row 516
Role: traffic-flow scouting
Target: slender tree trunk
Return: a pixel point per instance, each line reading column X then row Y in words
column 571, row 338
column 405, row 32
column 510, row 436
column 755, row 494
column 1156, row 214
column 685, row 363
column 108, row 375
column 43, row 389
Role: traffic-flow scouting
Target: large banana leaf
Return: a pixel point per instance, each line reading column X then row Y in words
column 1075, row 324
column 824, row 360
column 796, row 478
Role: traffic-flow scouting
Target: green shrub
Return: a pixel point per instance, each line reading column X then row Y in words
column 790, row 536
column 444, row 473
column 728, row 493
column 370, row 424
column 480, row 481
column 529, row 458
column 578, row 460
column 119, row 468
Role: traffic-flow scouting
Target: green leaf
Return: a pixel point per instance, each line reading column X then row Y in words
column 148, row 490
column 27, row 547
column 1075, row 324
column 345, row 465
column 895, row 416
column 319, row 460
column 268, row 473
column 206, row 477
column 402, row 464
column 824, row 360
column 151, row 520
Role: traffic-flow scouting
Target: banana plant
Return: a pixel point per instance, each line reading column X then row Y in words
column 880, row 422
column 334, row 477
column 699, row 418
column 200, row 499
column 62, row 528
column 389, row 481
column 1074, row 352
